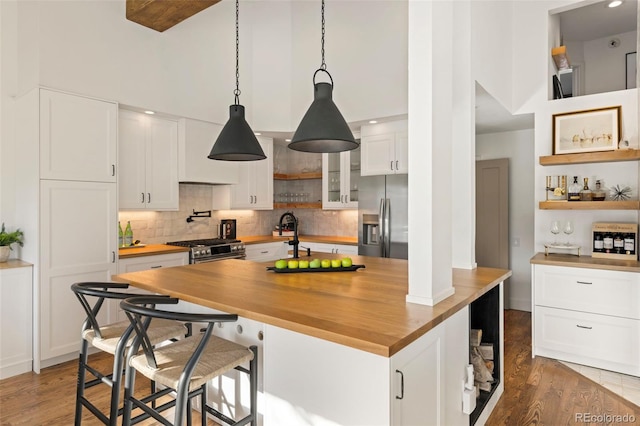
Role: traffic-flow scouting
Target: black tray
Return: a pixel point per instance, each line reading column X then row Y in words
column 298, row 270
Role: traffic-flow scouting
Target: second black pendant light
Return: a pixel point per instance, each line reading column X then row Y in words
column 323, row 128
column 236, row 141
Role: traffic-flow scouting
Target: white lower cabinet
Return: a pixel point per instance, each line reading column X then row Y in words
column 266, row 252
column 327, row 248
column 16, row 299
column 587, row 316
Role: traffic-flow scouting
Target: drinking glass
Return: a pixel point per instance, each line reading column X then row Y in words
column 568, row 229
column 555, row 230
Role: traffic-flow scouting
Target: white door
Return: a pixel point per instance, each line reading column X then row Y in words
column 78, row 243
column 77, row 137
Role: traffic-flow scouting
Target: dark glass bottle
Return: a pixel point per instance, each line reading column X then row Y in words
column 598, row 243
column 618, row 243
column 608, row 242
column 629, row 244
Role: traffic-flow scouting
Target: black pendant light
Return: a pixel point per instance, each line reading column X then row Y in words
column 236, row 141
column 323, row 128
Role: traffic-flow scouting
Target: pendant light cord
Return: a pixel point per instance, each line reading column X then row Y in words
column 237, row 91
column 323, row 66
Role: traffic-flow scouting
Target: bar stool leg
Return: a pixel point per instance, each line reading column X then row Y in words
column 82, row 362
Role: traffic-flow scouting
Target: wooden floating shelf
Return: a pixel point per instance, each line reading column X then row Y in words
column 317, row 205
column 591, row 157
column 590, row 205
column 297, row 176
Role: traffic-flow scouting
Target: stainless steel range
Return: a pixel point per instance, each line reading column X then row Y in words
column 210, row 250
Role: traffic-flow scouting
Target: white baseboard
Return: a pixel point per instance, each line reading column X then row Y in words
column 520, row 304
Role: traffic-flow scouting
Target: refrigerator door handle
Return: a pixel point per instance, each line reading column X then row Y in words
column 387, row 228
column 381, row 217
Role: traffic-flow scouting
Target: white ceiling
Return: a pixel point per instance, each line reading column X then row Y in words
column 592, row 21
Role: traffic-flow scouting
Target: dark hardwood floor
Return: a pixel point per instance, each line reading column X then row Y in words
column 542, row 391
column 538, row 391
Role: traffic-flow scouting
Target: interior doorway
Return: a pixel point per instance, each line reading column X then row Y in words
column 492, row 216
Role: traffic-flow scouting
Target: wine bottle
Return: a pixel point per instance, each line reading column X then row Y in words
column 629, row 244
column 128, row 235
column 598, row 243
column 608, row 242
column 120, row 235
column 574, row 190
column 586, row 194
column 618, row 243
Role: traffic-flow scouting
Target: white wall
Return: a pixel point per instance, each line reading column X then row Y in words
column 518, row 148
column 605, row 66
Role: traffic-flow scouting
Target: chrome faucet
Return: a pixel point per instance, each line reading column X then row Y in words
column 295, row 240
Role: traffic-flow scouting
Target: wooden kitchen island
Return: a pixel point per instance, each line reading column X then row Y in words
column 340, row 348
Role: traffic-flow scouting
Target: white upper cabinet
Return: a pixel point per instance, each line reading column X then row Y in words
column 148, row 159
column 255, row 188
column 77, row 137
column 385, row 148
column 195, row 140
column 340, row 176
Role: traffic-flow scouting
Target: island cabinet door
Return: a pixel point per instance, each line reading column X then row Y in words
column 427, row 375
column 311, row 381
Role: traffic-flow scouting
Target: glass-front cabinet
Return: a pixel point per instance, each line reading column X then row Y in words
column 340, row 177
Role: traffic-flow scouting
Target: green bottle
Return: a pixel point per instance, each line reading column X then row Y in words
column 128, row 235
column 120, row 236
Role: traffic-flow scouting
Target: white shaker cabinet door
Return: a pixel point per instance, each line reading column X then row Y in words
column 78, row 243
column 78, row 137
column 255, row 188
column 131, row 159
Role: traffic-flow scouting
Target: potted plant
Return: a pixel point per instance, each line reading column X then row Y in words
column 6, row 239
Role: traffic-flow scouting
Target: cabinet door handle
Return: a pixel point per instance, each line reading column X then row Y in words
column 260, row 335
column 584, row 282
column 148, row 197
column 401, row 385
column 396, row 164
column 391, row 164
column 113, row 170
column 113, row 257
column 346, row 199
column 255, row 199
column 142, row 199
column 584, row 326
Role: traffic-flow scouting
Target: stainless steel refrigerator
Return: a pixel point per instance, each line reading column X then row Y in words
column 383, row 216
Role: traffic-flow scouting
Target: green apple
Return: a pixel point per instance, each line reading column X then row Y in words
column 325, row 263
column 315, row 263
column 292, row 264
column 303, row 264
column 346, row 262
column 336, row 263
column 281, row 264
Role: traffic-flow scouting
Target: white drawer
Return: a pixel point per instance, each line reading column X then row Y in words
column 266, row 252
column 588, row 290
column 602, row 341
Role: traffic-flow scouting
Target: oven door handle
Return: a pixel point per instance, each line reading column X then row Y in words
column 215, row 259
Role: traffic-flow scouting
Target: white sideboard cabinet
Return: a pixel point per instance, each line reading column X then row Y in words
column 587, row 316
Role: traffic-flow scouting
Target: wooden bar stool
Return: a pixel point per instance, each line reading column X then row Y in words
column 184, row 366
column 114, row 339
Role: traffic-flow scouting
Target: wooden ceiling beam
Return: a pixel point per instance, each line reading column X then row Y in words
column 161, row 15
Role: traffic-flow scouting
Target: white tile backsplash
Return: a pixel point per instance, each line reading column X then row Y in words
column 151, row 227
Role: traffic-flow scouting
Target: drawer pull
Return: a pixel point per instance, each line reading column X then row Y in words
column 264, row 252
column 156, row 267
column 584, row 282
column 583, row 326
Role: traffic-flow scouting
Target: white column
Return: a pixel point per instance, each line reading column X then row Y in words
column 463, row 137
column 430, row 146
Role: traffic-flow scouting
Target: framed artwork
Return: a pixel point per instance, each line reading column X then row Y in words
column 630, row 73
column 587, row 131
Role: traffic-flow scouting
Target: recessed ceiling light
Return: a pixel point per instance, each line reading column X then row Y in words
column 257, row 133
column 150, row 112
column 287, row 140
column 615, row 3
column 373, row 121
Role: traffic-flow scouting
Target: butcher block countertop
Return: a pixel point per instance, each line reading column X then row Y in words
column 364, row 309
column 328, row 239
column 149, row 250
column 586, row 262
